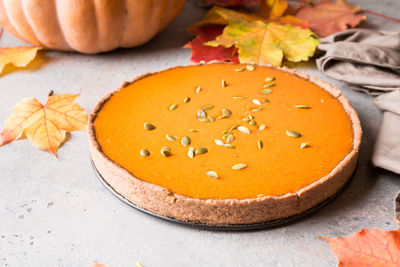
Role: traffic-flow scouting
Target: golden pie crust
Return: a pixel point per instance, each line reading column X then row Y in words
column 162, row 201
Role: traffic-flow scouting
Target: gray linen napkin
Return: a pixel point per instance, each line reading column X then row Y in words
column 370, row 62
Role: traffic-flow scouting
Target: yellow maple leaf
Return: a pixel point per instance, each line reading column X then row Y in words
column 272, row 9
column 44, row 125
column 18, row 56
column 264, row 43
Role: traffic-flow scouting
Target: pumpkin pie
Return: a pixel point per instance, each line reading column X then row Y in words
column 225, row 144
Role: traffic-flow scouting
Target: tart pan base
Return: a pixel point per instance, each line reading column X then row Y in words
column 228, row 227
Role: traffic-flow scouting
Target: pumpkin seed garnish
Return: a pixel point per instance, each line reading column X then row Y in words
column 257, row 102
column 261, row 127
column 186, row 100
column 239, row 97
column 269, row 85
column 293, row 134
column 234, row 127
column 266, row 91
column 302, row 106
column 223, row 83
column 243, row 129
column 230, row 139
column 270, row 79
column 144, row 152
column 198, row 89
column 185, row 141
column 149, row 126
column 304, row 145
column 201, row 113
column 229, row 146
column 266, row 101
column 191, row 152
column 170, row 138
column 211, row 118
column 225, row 135
column 207, row 107
column 256, row 109
column 201, row 150
column 193, row 130
column 219, row 142
column 252, row 123
column 203, row 119
column 251, row 117
column 240, row 69
column 212, row 174
column 260, row 144
column 250, row 67
column 226, row 112
column 246, row 119
column 239, row 166
column 166, row 151
column 173, row 106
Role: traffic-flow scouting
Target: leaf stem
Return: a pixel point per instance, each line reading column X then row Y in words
column 380, row 15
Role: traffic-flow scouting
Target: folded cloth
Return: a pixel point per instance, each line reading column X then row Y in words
column 366, row 59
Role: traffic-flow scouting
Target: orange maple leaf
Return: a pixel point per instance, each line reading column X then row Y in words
column 373, row 247
column 327, row 17
column 18, row 56
column 44, row 125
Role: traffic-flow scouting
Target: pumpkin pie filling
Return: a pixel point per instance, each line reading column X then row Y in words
column 284, row 131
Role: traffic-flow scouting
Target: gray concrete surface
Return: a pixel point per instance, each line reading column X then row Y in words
column 56, row 213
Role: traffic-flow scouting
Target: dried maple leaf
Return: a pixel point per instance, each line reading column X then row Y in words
column 372, row 247
column 44, row 125
column 263, row 43
column 232, row 2
column 18, row 56
column 272, row 9
column 201, row 52
column 327, row 17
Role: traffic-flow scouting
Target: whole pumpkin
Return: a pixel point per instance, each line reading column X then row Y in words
column 87, row 26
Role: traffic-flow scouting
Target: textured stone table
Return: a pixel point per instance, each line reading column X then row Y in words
column 54, row 212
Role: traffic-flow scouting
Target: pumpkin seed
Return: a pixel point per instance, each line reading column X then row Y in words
column 170, row 138
column 260, row 144
column 144, row 152
column 185, row 141
column 198, row 89
column 149, row 126
column 269, row 85
column 270, row 79
column 256, row 109
column 173, row 106
column 224, row 132
column 191, row 152
column 207, row 107
column 302, row 106
column 257, row 102
column 293, row 134
column 225, row 135
column 219, row 142
column 201, row 150
column 203, row 119
column 212, row 174
column 246, row 119
column 201, row 113
column 303, row 145
column 211, row 118
column 251, row 117
column 266, row 91
column 243, row 129
column 186, row 100
column 252, row 123
column 239, row 166
column 166, row 151
column 261, row 127
column 240, row 69
column 266, row 101
column 250, row 67
column 234, row 127
column 223, row 83
column 193, row 130
column 229, row 146
column 230, row 139
column 239, row 97
column 226, row 112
